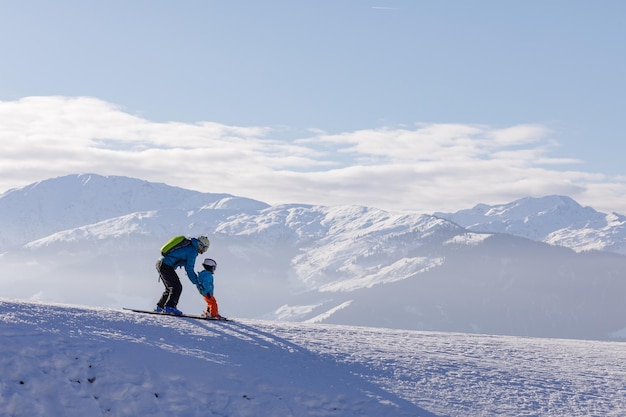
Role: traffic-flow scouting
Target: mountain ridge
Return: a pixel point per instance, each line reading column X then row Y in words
column 343, row 265
column 556, row 220
column 33, row 211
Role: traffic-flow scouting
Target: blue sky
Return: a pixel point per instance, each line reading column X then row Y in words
column 408, row 105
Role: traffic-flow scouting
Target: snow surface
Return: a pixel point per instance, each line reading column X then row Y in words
column 61, row 360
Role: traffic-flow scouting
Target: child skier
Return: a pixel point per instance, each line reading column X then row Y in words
column 206, row 288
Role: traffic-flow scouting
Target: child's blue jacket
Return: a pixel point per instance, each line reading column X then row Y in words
column 205, row 283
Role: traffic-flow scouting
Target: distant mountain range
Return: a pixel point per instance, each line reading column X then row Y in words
column 556, row 220
column 534, row 267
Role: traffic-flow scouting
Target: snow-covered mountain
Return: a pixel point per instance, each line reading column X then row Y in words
column 68, row 202
column 557, row 220
column 73, row 361
column 93, row 240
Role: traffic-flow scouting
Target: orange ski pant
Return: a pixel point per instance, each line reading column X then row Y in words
column 211, row 303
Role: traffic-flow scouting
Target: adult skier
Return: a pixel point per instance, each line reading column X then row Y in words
column 183, row 256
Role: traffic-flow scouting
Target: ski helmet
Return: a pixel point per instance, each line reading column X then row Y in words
column 209, row 264
column 204, row 241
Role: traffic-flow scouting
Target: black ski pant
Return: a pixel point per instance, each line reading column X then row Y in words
column 173, row 286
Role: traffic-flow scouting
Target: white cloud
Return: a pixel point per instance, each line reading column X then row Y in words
column 427, row 168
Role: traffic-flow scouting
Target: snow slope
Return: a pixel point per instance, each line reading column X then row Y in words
column 61, row 360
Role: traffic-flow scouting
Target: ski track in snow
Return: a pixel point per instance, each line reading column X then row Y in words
column 58, row 360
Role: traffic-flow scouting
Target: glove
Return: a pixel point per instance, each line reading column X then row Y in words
column 200, row 288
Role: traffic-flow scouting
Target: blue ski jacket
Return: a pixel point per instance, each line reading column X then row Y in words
column 205, row 283
column 184, row 257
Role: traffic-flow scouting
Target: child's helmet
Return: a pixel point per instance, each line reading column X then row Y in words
column 204, row 241
column 209, row 264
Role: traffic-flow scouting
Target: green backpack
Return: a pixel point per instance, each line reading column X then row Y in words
column 174, row 243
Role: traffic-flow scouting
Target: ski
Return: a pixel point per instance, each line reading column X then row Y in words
column 191, row 316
